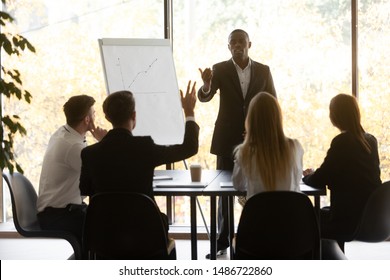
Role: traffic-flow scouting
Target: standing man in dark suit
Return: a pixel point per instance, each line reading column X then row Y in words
column 238, row 80
column 124, row 162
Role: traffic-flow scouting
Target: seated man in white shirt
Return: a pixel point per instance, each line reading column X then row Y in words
column 60, row 205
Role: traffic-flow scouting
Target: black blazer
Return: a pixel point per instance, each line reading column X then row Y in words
column 229, row 126
column 351, row 174
column 123, row 162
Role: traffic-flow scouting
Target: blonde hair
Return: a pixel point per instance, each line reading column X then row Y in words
column 265, row 146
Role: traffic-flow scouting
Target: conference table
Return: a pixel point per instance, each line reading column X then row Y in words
column 178, row 183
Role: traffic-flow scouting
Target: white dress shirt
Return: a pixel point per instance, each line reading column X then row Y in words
column 244, row 75
column 61, row 168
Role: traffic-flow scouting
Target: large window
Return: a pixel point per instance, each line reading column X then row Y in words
column 374, row 73
column 306, row 43
column 67, row 62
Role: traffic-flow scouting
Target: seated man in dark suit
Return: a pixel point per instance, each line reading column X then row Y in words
column 123, row 162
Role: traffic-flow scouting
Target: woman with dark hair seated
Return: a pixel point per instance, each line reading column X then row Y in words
column 350, row 170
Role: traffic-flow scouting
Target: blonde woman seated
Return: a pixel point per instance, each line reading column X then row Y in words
column 267, row 160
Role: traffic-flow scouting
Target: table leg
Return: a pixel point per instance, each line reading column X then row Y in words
column 231, row 223
column 213, row 228
column 194, row 241
column 317, row 207
column 169, row 209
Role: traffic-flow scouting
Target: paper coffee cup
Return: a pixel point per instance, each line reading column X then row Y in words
column 196, row 172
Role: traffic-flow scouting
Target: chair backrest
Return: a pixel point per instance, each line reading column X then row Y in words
column 278, row 225
column 24, row 211
column 124, row 226
column 24, row 199
column 375, row 223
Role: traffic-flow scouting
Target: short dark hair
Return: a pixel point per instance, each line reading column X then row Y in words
column 239, row 30
column 119, row 107
column 77, row 108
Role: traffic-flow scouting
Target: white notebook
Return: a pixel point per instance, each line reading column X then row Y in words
column 226, row 184
column 162, row 177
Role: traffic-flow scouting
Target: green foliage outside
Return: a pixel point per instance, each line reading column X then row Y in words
column 11, row 86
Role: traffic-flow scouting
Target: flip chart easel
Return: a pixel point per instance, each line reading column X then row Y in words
column 146, row 68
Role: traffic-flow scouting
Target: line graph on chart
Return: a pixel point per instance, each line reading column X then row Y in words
column 146, row 68
column 138, row 74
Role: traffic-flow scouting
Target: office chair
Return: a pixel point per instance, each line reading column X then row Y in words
column 24, row 211
column 374, row 225
column 278, row 225
column 123, row 225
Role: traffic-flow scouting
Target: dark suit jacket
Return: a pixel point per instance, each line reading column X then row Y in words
column 123, row 162
column 229, row 126
column 351, row 174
